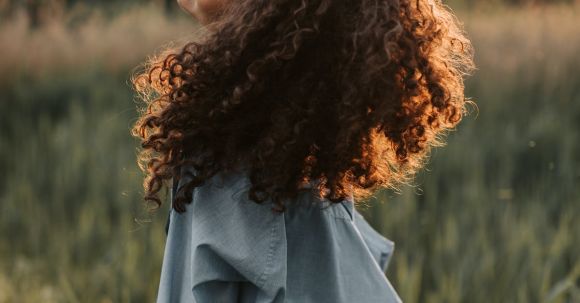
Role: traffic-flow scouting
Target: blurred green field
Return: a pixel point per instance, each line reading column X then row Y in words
column 493, row 218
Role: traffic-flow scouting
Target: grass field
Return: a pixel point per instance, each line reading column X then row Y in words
column 493, row 218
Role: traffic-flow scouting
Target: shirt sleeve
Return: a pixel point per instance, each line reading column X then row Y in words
column 380, row 247
column 235, row 244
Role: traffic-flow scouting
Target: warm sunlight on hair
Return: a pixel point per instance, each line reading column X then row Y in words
column 351, row 93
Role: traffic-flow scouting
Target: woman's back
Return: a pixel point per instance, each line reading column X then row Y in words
column 227, row 248
column 350, row 93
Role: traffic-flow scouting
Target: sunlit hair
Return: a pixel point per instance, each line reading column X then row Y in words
column 352, row 94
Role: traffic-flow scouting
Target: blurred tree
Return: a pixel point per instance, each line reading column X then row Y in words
column 33, row 11
column 169, row 5
column 36, row 10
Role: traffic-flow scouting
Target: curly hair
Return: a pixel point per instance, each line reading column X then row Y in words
column 351, row 94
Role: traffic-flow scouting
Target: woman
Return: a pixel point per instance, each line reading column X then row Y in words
column 273, row 124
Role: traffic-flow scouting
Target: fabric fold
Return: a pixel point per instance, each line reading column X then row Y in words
column 227, row 248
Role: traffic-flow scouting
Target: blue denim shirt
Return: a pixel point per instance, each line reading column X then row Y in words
column 227, row 248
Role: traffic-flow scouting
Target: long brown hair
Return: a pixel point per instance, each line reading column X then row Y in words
column 350, row 93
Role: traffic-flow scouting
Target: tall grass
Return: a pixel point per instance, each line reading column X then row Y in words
column 493, row 219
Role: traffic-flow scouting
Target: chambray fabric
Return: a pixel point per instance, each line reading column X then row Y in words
column 227, row 248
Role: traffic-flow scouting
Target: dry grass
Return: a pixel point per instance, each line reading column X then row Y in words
column 85, row 38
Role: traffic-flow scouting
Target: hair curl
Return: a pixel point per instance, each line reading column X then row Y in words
column 350, row 93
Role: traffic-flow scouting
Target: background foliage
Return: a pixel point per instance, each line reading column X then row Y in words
column 493, row 218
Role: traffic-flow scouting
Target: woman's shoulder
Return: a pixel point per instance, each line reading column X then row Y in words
column 225, row 236
column 221, row 236
column 223, row 199
column 223, row 222
column 222, row 210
